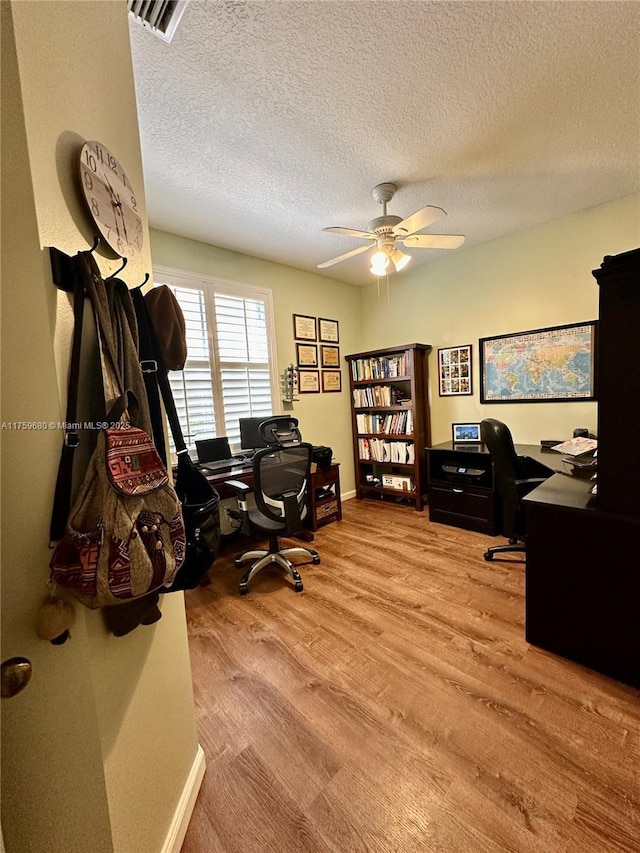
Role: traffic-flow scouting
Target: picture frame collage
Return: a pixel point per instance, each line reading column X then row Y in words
column 317, row 354
column 454, row 371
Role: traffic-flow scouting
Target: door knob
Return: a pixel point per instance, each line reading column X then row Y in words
column 15, row 674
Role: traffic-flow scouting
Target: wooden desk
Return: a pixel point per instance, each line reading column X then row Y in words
column 460, row 483
column 243, row 471
column 583, row 579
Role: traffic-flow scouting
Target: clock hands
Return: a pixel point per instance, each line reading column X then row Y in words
column 117, row 204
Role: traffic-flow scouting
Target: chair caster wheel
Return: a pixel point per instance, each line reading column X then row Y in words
column 237, row 564
column 243, row 589
column 298, row 586
column 316, row 561
column 488, row 556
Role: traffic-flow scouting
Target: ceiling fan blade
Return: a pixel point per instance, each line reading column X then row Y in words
column 351, row 232
column 344, row 257
column 433, row 241
column 418, row 220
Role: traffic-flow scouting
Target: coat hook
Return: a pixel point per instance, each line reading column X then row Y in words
column 96, row 243
column 124, row 263
column 146, row 279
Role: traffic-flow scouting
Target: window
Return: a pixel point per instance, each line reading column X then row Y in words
column 230, row 371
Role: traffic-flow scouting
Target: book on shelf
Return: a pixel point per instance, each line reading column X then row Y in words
column 393, row 423
column 379, row 367
column 376, row 395
column 381, row 450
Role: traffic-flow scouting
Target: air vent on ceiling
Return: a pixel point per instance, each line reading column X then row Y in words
column 160, row 16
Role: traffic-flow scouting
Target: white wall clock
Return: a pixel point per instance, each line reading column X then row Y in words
column 111, row 199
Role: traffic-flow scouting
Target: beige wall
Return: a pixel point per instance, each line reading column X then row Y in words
column 98, row 748
column 324, row 418
column 531, row 280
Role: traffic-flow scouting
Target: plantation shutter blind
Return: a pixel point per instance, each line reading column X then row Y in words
column 243, row 353
column 228, row 374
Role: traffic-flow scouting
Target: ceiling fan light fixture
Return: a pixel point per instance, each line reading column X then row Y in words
column 379, row 263
column 400, row 260
column 386, row 231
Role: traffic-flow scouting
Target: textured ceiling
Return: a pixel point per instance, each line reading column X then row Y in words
column 263, row 122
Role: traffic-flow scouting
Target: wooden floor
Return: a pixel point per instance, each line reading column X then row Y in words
column 394, row 706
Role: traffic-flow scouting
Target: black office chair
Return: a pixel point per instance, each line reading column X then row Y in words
column 281, row 477
column 511, row 481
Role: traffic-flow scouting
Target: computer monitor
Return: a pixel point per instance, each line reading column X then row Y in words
column 250, row 438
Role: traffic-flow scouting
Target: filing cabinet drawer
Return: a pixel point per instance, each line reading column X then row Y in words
column 462, row 506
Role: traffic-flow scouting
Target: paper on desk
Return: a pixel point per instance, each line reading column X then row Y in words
column 576, row 446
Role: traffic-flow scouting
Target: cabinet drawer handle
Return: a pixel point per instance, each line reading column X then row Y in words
column 458, row 491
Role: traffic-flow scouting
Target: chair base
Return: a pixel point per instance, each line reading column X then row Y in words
column 513, row 547
column 279, row 557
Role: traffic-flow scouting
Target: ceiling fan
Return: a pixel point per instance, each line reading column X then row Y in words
column 386, row 231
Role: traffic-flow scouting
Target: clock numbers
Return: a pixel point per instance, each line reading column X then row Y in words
column 90, row 161
column 134, row 203
column 95, row 207
column 88, row 180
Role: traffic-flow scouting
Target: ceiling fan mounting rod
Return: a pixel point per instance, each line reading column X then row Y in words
column 383, row 193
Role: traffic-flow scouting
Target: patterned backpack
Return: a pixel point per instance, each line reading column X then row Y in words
column 124, row 536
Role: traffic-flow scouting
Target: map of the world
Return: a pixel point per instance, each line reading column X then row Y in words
column 548, row 364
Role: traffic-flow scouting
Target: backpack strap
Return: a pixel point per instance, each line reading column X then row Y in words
column 150, row 367
column 62, row 497
column 110, row 338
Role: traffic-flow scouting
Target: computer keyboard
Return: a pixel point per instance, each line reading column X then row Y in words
column 225, row 464
column 220, row 465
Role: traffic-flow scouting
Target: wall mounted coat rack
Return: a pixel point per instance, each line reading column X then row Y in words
column 62, row 270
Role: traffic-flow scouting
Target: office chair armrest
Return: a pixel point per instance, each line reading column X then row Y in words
column 241, row 488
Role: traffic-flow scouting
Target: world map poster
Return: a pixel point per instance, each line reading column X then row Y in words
column 544, row 365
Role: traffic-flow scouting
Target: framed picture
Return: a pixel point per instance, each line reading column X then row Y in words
column 454, row 371
column 329, row 356
column 304, row 328
column 549, row 365
column 328, row 330
column 466, row 433
column 331, row 380
column 307, row 355
column 308, row 382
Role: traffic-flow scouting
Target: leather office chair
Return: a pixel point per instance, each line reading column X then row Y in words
column 511, row 481
column 281, row 477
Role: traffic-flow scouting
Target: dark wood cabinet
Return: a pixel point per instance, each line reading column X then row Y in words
column 618, row 383
column 460, row 484
column 460, row 488
column 582, row 579
column 390, row 421
column 325, row 504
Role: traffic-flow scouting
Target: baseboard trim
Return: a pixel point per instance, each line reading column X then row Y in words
column 186, row 804
column 346, row 496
